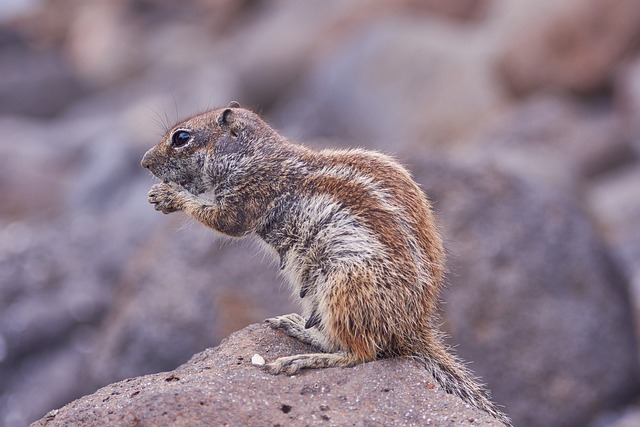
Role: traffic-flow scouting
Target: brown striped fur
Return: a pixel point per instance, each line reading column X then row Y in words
column 355, row 235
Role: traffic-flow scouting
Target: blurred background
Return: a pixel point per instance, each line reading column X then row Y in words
column 520, row 119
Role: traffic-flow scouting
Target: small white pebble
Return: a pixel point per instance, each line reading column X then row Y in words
column 256, row 359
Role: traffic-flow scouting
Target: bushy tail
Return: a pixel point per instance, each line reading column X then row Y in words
column 455, row 379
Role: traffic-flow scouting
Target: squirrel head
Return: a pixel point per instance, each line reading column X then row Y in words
column 190, row 151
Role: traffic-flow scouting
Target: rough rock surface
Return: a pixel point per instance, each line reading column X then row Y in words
column 220, row 386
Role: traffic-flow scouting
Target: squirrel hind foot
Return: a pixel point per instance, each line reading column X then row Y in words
column 294, row 325
column 291, row 365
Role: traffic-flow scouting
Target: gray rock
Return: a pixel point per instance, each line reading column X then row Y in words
column 534, row 301
column 627, row 100
column 629, row 417
column 33, row 169
column 186, row 290
column 36, row 83
column 220, row 387
column 397, row 84
column 551, row 140
column 274, row 64
column 614, row 200
column 55, row 286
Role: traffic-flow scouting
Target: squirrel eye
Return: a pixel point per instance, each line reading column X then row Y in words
column 180, row 138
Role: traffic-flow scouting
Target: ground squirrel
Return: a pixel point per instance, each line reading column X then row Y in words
column 353, row 232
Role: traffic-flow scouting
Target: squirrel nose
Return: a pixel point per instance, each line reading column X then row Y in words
column 146, row 160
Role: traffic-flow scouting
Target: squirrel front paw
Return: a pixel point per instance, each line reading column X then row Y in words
column 165, row 198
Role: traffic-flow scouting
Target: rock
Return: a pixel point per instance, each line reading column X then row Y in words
column 455, row 9
column 564, row 46
column 58, row 371
column 220, row 386
column 32, row 170
column 58, row 280
column 627, row 100
column 56, row 286
column 269, row 74
column 185, row 290
column 60, row 259
column 96, row 286
column 534, row 299
column 397, row 84
column 614, row 200
column 629, row 417
column 34, row 83
column 266, row 73
column 552, row 141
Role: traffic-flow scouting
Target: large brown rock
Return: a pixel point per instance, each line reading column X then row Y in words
column 221, row 387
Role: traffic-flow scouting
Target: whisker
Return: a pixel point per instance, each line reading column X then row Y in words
column 157, row 120
column 175, row 106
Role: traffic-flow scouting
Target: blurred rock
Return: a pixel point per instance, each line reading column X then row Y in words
column 36, row 83
column 266, row 73
column 112, row 42
column 456, row 9
column 76, row 163
column 395, row 84
column 95, row 285
column 220, row 386
column 59, row 266
column 551, row 140
column 32, row 171
column 534, row 298
column 101, row 42
column 627, row 418
column 10, row 9
column 571, row 45
column 269, row 74
column 615, row 199
column 627, row 100
column 58, row 286
column 59, row 371
column 615, row 202
column 55, row 284
column 184, row 290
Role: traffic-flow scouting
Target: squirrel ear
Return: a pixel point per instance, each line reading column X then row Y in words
column 233, row 104
column 225, row 117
